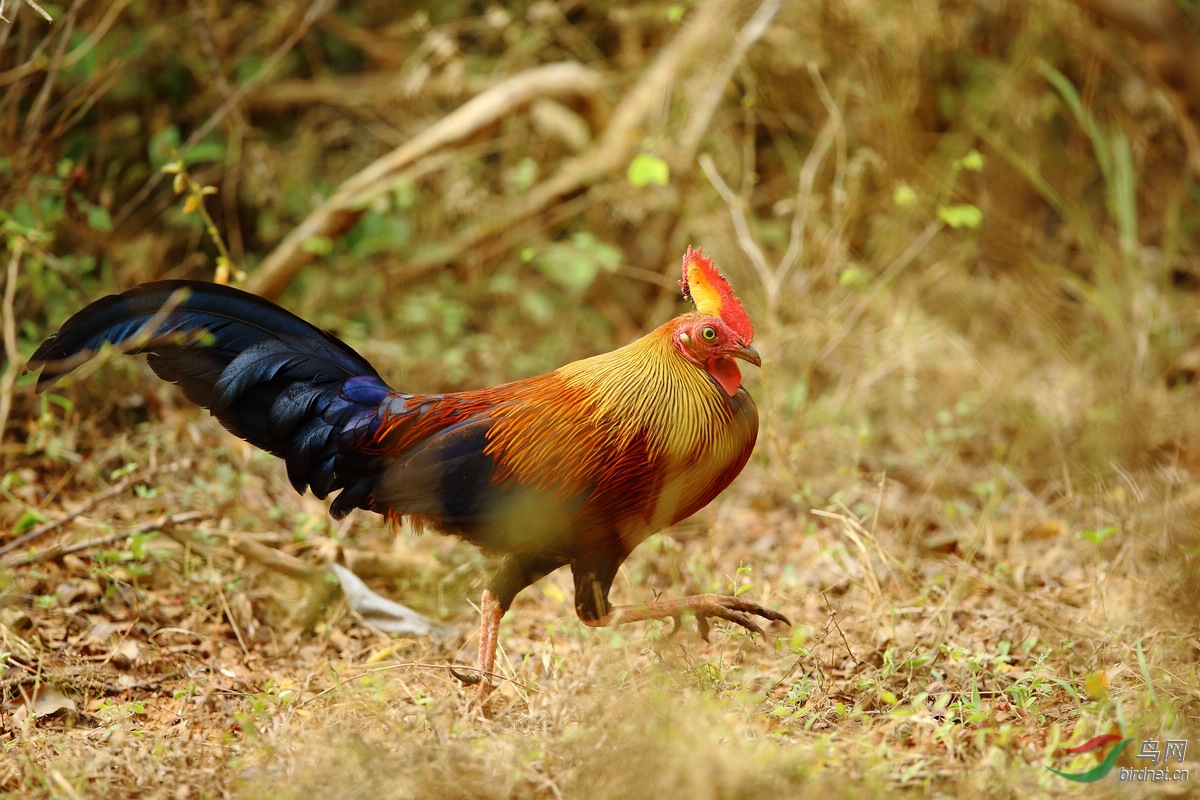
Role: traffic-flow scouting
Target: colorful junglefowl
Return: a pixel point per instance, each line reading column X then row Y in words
column 576, row 467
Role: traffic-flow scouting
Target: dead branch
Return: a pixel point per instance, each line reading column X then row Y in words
column 344, row 206
column 279, row 561
column 773, row 279
column 719, row 78
column 368, row 564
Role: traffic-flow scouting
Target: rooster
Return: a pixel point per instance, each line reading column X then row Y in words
column 575, row 467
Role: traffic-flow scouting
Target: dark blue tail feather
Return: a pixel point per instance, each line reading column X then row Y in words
column 268, row 376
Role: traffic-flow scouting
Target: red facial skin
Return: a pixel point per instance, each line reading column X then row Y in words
column 712, row 345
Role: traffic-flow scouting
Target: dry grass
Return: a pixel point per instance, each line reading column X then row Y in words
column 945, row 642
column 974, row 491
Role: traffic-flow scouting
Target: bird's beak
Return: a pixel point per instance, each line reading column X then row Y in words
column 746, row 353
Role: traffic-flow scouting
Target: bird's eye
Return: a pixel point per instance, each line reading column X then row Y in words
column 708, row 333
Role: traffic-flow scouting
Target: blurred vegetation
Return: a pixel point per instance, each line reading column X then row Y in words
column 966, row 230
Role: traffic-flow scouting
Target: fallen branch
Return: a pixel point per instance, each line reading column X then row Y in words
column 718, row 79
column 279, row 561
column 324, row 583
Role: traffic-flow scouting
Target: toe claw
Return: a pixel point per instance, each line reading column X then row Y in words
column 469, row 680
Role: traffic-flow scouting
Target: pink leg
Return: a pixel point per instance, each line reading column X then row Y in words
column 489, row 631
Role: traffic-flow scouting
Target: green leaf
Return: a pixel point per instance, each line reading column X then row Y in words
column 379, row 233
column 404, row 194
column 98, row 219
column 852, row 276
column 904, row 196
column 203, row 151
column 960, row 216
column 568, row 269
column 646, row 169
column 27, row 522
column 317, row 245
column 1098, row 536
column 972, row 161
column 163, row 146
column 523, row 175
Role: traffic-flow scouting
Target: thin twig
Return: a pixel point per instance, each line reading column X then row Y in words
column 701, row 117
column 892, row 271
column 237, row 631
column 90, row 503
column 45, row 15
column 833, row 619
column 72, row 58
column 808, row 175
column 772, row 280
column 737, row 213
column 11, row 353
column 33, row 118
column 58, row 550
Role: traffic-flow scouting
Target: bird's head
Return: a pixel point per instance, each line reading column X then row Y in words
column 720, row 330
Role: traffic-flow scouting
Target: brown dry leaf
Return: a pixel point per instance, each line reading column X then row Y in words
column 50, row 701
column 125, row 654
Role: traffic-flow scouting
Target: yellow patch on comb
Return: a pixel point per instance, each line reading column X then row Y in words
column 712, row 295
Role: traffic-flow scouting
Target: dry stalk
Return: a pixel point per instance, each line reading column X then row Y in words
column 772, row 279
column 34, row 65
column 894, row 269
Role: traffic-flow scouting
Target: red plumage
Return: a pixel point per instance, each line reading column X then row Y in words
column 575, row 467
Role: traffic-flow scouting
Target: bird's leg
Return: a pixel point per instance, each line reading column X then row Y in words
column 702, row 605
column 514, row 574
column 490, row 612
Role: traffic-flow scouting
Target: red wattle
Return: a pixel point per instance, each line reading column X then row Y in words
column 726, row 373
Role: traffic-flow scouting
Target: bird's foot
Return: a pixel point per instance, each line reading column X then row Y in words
column 704, row 606
column 732, row 609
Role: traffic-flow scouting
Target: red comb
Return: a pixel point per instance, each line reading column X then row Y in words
column 712, row 295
